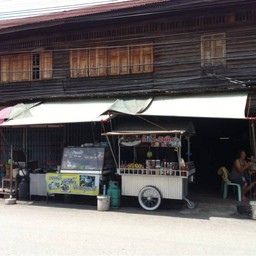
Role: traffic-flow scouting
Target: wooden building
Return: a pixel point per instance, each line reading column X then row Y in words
column 131, row 49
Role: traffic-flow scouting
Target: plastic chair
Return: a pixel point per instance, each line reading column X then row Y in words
column 223, row 171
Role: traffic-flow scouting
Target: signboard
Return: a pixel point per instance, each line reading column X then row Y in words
column 80, row 159
column 153, row 140
column 77, row 184
column 162, row 141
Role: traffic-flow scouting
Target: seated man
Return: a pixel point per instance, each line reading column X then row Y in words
column 237, row 174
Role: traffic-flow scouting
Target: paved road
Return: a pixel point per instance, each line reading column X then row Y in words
column 62, row 229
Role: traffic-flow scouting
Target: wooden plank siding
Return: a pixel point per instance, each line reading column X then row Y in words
column 61, row 64
column 241, row 53
column 177, row 60
column 114, row 63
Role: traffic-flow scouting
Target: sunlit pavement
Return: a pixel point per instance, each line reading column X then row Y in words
column 58, row 228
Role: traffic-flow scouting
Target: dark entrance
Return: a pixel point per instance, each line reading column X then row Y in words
column 216, row 144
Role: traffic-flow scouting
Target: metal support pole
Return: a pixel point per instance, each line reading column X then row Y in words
column 188, row 139
column 11, row 171
column 10, row 200
column 179, row 155
column 119, row 152
column 110, row 146
column 253, row 137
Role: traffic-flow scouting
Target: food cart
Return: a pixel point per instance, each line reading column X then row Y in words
column 83, row 171
column 151, row 164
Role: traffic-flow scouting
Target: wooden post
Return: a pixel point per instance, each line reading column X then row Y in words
column 10, row 200
column 11, row 171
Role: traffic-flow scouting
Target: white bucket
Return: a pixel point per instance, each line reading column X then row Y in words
column 103, row 203
column 253, row 205
column 14, row 173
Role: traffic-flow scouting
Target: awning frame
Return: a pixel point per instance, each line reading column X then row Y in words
column 142, row 132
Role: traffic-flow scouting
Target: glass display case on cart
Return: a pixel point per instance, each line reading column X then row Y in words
column 83, row 171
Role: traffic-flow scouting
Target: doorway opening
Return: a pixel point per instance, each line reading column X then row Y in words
column 216, row 144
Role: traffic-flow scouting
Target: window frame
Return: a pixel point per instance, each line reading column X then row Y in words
column 118, row 61
column 21, row 67
column 213, row 61
column 36, row 66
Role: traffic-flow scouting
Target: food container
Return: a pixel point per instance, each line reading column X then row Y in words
column 158, row 163
column 150, row 164
column 15, row 172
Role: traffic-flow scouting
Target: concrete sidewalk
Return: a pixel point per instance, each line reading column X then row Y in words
column 63, row 229
column 206, row 206
column 215, row 205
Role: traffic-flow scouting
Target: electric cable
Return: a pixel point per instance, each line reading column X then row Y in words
column 46, row 7
column 186, row 45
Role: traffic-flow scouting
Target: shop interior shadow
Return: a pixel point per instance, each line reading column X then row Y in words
column 216, row 144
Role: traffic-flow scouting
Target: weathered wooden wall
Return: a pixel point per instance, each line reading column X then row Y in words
column 177, row 55
column 61, row 66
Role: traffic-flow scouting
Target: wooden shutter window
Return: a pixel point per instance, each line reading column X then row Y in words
column 82, row 64
column 27, row 67
column 102, row 62
column 16, row 68
column 206, row 51
column 135, row 60
column 46, row 65
column 92, row 62
column 5, row 63
column 219, row 50
column 113, row 61
column 74, row 63
column 146, row 59
column 213, row 50
column 19, row 67
column 124, row 60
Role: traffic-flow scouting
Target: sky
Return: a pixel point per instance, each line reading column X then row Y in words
column 12, row 9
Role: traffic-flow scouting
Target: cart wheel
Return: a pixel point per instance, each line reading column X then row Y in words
column 191, row 205
column 149, row 198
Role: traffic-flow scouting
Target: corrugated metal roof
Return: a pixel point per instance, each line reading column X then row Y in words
column 97, row 9
column 59, row 18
